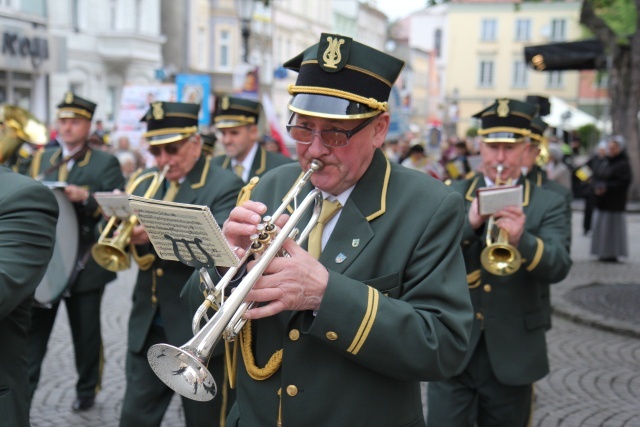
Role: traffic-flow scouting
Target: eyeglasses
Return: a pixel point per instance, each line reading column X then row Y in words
column 171, row 149
column 329, row 138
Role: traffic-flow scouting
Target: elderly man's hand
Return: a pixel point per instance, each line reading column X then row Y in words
column 296, row 282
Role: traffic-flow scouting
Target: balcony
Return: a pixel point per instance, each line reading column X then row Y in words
column 124, row 47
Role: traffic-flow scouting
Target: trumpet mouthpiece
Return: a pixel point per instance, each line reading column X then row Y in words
column 316, row 165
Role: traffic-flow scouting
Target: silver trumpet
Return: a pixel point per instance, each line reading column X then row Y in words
column 184, row 369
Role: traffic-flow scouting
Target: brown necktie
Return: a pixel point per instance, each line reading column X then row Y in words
column 328, row 211
column 171, row 191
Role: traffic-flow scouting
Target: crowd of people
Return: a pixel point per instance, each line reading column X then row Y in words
column 379, row 300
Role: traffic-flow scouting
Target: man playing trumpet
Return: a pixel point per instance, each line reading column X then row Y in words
column 157, row 314
column 508, row 350
column 376, row 302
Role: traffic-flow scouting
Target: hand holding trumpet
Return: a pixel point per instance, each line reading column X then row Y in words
column 295, row 282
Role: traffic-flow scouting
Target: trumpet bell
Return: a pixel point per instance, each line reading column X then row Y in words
column 19, row 126
column 500, row 259
column 182, row 371
column 111, row 257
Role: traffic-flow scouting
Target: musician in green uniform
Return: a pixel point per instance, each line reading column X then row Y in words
column 83, row 171
column 508, row 351
column 237, row 121
column 348, row 325
column 157, row 314
column 28, row 215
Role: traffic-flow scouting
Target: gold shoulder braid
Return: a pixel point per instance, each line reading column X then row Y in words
column 245, row 192
column 245, row 335
column 144, row 261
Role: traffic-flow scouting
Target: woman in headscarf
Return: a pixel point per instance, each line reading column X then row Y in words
column 609, row 240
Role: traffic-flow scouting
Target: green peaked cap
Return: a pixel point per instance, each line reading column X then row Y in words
column 506, row 120
column 232, row 111
column 340, row 78
column 169, row 122
column 73, row 106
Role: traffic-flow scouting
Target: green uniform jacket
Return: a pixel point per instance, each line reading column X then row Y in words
column 206, row 185
column 510, row 309
column 28, row 216
column 395, row 312
column 95, row 171
column 538, row 177
column 263, row 162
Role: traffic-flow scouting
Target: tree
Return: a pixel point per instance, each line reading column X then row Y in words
column 622, row 44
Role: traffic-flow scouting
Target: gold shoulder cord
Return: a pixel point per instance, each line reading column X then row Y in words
column 245, row 336
column 144, row 261
column 245, row 192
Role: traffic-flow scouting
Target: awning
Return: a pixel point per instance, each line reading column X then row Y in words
column 566, row 116
column 580, row 55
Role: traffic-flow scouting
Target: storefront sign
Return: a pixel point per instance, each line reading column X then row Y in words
column 23, row 51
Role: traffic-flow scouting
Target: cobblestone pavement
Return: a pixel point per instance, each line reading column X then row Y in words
column 594, row 353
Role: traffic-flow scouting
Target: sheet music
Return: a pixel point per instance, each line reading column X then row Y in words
column 55, row 184
column 491, row 200
column 184, row 223
column 114, row 204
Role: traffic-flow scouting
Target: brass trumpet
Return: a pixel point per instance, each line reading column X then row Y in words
column 184, row 369
column 499, row 257
column 111, row 252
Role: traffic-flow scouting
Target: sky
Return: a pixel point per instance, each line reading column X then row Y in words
column 395, row 9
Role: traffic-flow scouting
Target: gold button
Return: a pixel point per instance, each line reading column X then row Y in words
column 479, row 316
column 332, row 336
column 487, row 288
column 159, row 272
column 294, row 334
column 292, row 390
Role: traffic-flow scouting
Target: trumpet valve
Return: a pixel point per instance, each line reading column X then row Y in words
column 256, row 247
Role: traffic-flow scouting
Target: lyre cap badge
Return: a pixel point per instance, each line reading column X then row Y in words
column 158, row 112
column 224, row 104
column 503, row 108
column 68, row 98
column 333, row 52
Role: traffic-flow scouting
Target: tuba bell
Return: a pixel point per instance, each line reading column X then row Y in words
column 184, row 369
column 18, row 126
column 499, row 257
column 111, row 253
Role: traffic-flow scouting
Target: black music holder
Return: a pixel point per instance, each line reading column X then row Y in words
column 194, row 261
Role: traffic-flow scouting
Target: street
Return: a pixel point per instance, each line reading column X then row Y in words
column 594, row 356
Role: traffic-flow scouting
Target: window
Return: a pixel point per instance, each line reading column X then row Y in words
column 520, row 74
column 558, row 29
column 602, row 80
column 489, row 30
column 139, row 14
column 486, row 74
column 554, row 80
column 113, row 6
column 76, row 88
column 437, row 41
column 523, row 30
column 75, row 15
column 111, row 103
column 224, row 49
column 202, row 48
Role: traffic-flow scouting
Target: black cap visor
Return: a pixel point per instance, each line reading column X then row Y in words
column 329, row 107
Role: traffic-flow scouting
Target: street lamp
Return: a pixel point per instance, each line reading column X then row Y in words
column 244, row 9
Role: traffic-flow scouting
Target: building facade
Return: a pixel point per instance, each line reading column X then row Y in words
column 484, row 50
column 26, row 56
column 98, row 47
